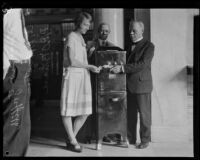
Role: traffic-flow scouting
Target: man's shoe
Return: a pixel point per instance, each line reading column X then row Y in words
column 106, row 139
column 115, row 137
column 123, row 143
column 143, row 145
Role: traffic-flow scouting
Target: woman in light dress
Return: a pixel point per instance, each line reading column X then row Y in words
column 76, row 97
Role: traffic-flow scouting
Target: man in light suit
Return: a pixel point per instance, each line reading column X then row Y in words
column 17, row 55
column 139, row 84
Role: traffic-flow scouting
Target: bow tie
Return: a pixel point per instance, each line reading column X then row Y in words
column 103, row 43
column 134, row 43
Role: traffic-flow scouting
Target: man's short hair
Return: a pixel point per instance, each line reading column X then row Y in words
column 141, row 24
column 102, row 24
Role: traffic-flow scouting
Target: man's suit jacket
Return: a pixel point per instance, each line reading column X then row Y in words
column 95, row 43
column 138, row 67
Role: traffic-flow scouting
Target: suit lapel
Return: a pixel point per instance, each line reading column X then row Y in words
column 132, row 53
column 97, row 44
column 135, row 53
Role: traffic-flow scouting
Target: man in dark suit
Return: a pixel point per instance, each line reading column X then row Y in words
column 139, row 84
column 101, row 40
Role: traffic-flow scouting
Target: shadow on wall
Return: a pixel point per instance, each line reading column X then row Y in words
column 180, row 76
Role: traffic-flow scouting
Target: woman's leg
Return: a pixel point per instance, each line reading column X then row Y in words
column 78, row 123
column 67, row 121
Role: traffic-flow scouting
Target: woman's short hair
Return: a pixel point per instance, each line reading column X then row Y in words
column 79, row 18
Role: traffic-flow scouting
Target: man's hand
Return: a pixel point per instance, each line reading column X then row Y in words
column 91, row 51
column 5, row 71
column 116, row 69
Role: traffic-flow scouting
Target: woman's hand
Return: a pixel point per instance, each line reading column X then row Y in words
column 94, row 69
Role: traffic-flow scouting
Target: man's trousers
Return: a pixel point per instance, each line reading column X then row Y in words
column 139, row 103
column 16, row 114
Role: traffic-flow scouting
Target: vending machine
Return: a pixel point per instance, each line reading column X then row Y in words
column 111, row 103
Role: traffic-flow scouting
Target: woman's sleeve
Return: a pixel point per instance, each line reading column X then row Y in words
column 70, row 42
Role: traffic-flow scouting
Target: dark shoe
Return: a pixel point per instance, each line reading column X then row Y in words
column 106, row 139
column 123, row 144
column 115, row 138
column 143, row 145
column 74, row 147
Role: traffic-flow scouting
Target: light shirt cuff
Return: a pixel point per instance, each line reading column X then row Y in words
column 6, row 65
column 122, row 68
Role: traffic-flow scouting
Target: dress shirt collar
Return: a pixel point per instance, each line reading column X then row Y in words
column 139, row 39
column 102, row 42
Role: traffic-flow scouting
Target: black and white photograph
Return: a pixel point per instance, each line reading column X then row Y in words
column 100, row 82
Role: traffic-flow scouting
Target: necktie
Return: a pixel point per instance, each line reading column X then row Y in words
column 23, row 31
column 104, row 43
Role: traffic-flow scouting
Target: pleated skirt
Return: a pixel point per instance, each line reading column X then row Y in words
column 76, row 93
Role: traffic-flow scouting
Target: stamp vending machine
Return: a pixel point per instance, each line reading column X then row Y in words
column 111, row 103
